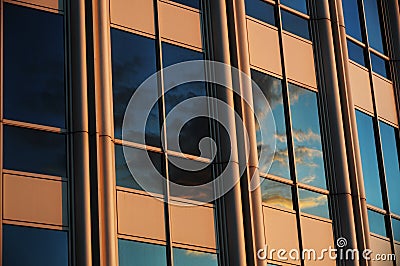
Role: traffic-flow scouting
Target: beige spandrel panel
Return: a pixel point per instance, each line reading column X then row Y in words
column 385, row 99
column 35, row 200
column 134, row 14
column 360, row 87
column 140, row 215
column 281, row 233
column 381, row 247
column 299, row 60
column 397, row 252
column 193, row 225
column 264, row 47
column 180, row 24
column 53, row 4
column 317, row 235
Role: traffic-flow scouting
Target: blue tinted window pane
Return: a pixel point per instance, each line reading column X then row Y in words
column 396, row 229
column 34, row 66
column 295, row 24
column 24, row 246
column 260, row 10
column 356, row 53
column 272, row 90
column 184, row 257
column 352, row 19
column 376, row 223
column 299, row 5
column 369, row 159
column 191, row 3
column 133, row 61
column 34, row 151
column 307, row 137
column 374, row 28
column 391, row 162
column 277, row 194
column 313, row 203
column 379, row 65
column 140, row 254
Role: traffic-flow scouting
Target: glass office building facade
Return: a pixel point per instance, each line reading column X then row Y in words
column 330, row 70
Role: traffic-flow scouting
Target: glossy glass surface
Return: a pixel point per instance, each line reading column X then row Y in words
column 352, row 19
column 379, row 66
column 191, row 3
column 391, row 161
column 356, row 53
column 260, row 10
column 306, row 137
column 376, row 223
column 396, row 229
column 374, row 27
column 369, row 159
column 313, row 203
column 299, row 5
column 276, row 194
column 272, row 89
column 133, row 61
column 184, row 257
column 140, row 254
column 295, row 24
column 34, row 85
column 34, row 151
column 24, row 246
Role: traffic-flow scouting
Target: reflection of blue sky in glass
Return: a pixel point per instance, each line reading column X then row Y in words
column 299, row 5
column 313, row 203
column 306, row 137
column 185, row 257
column 261, row 10
column 369, row 159
column 351, row 18
column 396, row 229
column 277, row 194
column 140, row 254
column 373, row 24
column 272, row 89
column 391, row 162
column 376, row 223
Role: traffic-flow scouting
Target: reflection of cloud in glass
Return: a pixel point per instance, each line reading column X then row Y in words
column 313, row 203
column 276, row 194
column 184, row 257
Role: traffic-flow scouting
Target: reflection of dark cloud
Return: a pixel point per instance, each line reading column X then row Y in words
column 276, row 194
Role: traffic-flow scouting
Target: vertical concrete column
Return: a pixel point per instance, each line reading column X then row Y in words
column 80, row 134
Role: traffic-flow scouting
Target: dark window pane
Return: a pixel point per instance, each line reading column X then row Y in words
column 277, row 194
column 34, row 66
column 34, row 151
column 313, row 203
column 352, row 19
column 140, row 254
column 260, row 10
column 307, row 137
column 136, row 159
column 295, row 24
column 191, row 3
column 396, row 229
column 373, row 25
column 379, row 65
column 391, row 161
column 356, row 53
column 272, row 89
column 376, row 223
column 133, row 61
column 299, row 5
column 184, row 257
column 369, row 159
column 24, row 246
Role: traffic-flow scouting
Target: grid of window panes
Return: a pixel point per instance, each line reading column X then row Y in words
column 135, row 57
column 34, row 127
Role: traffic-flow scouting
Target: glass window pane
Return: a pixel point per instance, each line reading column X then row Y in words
column 391, row 162
column 396, row 229
column 261, row 10
column 184, row 257
column 356, row 53
column 295, row 24
column 34, row 151
column 379, row 65
column 352, row 19
column 299, row 5
column 140, row 254
column 272, row 89
column 313, row 203
column 307, row 137
column 33, row 246
column 191, row 3
column 133, row 61
column 376, row 223
column 34, row 66
column 369, row 159
column 374, row 28
column 277, row 194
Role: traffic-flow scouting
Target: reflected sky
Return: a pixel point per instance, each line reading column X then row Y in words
column 191, row 3
column 140, row 254
column 34, row 66
column 356, row 53
column 377, row 223
column 277, row 194
column 185, row 257
column 351, row 19
column 313, row 203
column 373, row 25
column 369, row 159
column 295, row 24
column 306, row 137
column 299, row 5
column 261, row 10
column 396, row 229
column 379, row 66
